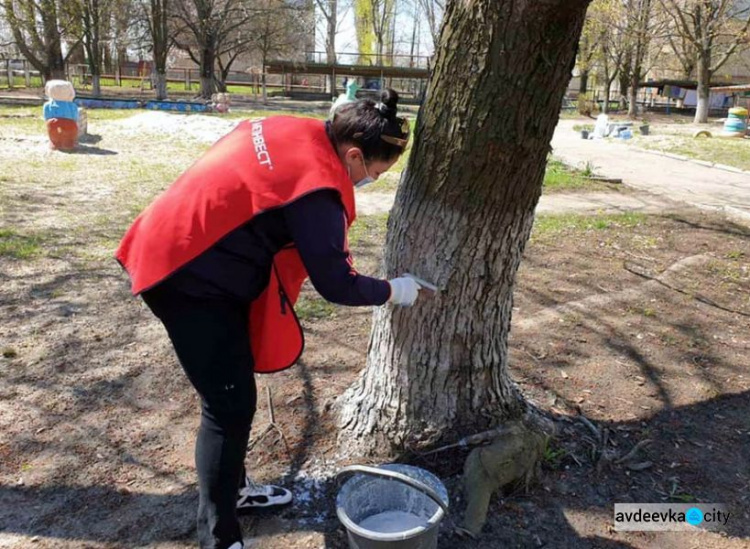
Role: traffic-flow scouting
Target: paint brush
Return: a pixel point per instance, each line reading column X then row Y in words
column 423, row 283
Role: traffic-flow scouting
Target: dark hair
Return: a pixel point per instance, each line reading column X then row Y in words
column 373, row 127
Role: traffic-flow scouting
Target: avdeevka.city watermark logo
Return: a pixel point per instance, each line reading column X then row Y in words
column 666, row 517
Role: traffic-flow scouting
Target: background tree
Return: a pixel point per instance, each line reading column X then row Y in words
column 462, row 217
column 605, row 20
column 156, row 16
column 685, row 52
column 202, row 28
column 38, row 27
column 363, row 25
column 716, row 29
column 433, row 10
column 124, row 32
column 329, row 11
column 588, row 46
column 379, row 14
column 643, row 27
column 93, row 21
column 274, row 30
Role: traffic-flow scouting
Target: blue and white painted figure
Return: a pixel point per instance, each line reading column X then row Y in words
column 60, row 103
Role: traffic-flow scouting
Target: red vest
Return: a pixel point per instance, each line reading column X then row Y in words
column 260, row 165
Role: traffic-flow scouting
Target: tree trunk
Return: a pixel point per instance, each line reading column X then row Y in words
column 605, row 105
column 96, row 87
column 624, row 80
column 208, row 80
column 52, row 41
column 462, row 216
column 704, row 90
column 331, row 34
column 160, row 84
column 584, row 83
column 633, row 99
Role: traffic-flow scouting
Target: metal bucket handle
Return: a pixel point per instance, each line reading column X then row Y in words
column 385, row 473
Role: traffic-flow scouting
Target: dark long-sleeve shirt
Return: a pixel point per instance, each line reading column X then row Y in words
column 239, row 265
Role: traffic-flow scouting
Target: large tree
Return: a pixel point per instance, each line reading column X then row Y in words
column 275, row 30
column 329, row 11
column 462, row 217
column 38, row 28
column 605, row 18
column 374, row 21
column 92, row 24
column 156, row 16
column 202, row 30
column 643, row 29
column 716, row 29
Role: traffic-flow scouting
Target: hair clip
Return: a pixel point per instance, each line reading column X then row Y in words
column 382, row 108
column 395, row 141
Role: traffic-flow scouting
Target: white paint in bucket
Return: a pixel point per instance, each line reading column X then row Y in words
column 390, row 522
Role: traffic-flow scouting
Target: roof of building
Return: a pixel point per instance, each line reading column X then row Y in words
column 687, row 84
column 732, row 89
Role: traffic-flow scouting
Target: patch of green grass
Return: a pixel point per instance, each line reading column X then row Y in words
column 581, row 127
column 367, row 227
column 15, row 120
column 561, row 177
column 99, row 115
column 729, row 151
column 546, row 225
column 553, row 456
column 400, row 165
column 313, row 308
column 18, row 246
column 244, row 114
column 20, row 81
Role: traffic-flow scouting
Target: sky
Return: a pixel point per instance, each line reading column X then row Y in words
column 346, row 38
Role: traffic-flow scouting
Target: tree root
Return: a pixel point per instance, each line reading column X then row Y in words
column 513, row 456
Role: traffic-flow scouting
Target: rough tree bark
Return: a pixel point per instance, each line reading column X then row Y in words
column 463, row 214
column 207, row 64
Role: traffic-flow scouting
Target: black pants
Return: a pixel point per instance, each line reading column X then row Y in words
column 212, row 343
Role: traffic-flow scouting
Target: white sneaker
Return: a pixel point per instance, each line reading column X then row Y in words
column 253, row 495
column 237, row 545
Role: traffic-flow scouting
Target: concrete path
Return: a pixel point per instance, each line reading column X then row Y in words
column 673, row 179
column 598, row 202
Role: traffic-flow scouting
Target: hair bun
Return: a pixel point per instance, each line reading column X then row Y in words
column 388, row 105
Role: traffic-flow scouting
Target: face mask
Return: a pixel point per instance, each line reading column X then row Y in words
column 366, row 180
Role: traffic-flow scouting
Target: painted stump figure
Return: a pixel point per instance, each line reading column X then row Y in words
column 61, row 115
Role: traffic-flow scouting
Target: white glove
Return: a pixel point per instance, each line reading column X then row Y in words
column 404, row 291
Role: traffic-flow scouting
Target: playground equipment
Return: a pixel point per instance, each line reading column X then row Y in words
column 736, row 123
column 351, row 95
column 220, row 102
column 61, row 115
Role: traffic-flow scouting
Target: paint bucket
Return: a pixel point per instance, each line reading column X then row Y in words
column 584, row 134
column 393, row 506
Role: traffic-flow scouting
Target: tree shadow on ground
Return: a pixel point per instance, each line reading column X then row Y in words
column 86, row 149
column 543, row 516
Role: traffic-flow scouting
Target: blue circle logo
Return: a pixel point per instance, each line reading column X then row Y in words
column 694, row 516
